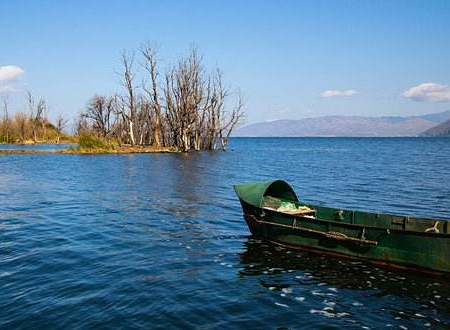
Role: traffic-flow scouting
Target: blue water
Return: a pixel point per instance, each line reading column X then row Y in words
column 157, row 241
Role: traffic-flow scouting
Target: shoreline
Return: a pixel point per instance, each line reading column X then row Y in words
column 71, row 151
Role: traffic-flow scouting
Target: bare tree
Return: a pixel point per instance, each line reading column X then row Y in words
column 31, row 104
column 128, row 109
column 237, row 115
column 61, row 122
column 215, row 110
column 81, row 125
column 100, row 110
column 36, row 113
column 118, row 127
column 5, row 121
column 150, row 63
column 21, row 121
column 183, row 96
column 186, row 108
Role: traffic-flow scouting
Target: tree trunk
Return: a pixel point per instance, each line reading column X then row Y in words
column 224, row 141
column 130, row 132
column 157, row 131
column 34, row 134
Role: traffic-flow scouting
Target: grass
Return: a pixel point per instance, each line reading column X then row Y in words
column 92, row 144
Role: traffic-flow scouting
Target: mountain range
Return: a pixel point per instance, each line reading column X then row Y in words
column 442, row 129
column 350, row 126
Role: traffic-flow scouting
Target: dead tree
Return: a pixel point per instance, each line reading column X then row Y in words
column 202, row 115
column 38, row 119
column 129, row 99
column 171, row 111
column 5, row 121
column 21, row 120
column 81, row 125
column 186, row 108
column 215, row 111
column 150, row 63
column 183, row 97
column 99, row 111
column 118, row 127
column 143, row 121
column 227, row 127
column 36, row 113
column 61, row 122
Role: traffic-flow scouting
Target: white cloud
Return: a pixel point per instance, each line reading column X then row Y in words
column 338, row 93
column 428, row 92
column 10, row 72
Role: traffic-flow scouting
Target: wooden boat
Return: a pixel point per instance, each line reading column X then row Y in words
column 273, row 211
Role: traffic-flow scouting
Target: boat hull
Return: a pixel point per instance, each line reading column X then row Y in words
column 273, row 211
column 425, row 252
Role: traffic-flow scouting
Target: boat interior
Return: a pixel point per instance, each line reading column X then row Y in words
column 386, row 221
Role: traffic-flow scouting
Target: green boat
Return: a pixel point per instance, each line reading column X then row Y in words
column 273, row 212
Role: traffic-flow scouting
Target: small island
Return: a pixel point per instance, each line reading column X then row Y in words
column 183, row 109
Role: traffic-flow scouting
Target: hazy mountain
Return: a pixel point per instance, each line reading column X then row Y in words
column 442, row 129
column 346, row 126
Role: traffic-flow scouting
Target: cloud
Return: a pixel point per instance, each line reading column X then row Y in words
column 10, row 72
column 431, row 92
column 337, row 93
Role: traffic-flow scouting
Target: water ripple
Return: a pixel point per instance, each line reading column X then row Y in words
column 158, row 241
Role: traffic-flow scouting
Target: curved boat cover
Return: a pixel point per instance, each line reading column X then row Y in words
column 254, row 193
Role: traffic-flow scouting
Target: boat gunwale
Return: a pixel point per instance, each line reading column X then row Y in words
column 266, row 185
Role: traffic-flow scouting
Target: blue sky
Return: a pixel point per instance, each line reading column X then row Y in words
column 291, row 59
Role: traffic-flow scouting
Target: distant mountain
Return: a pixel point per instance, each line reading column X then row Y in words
column 442, row 129
column 438, row 118
column 351, row 126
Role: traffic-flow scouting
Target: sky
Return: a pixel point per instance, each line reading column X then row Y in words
column 291, row 59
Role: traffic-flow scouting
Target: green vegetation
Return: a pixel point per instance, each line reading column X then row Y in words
column 92, row 142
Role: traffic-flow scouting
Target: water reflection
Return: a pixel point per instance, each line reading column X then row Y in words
column 344, row 286
column 186, row 182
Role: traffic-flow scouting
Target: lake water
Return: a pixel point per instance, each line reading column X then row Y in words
column 158, row 241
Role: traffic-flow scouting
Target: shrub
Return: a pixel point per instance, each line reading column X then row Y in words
column 87, row 141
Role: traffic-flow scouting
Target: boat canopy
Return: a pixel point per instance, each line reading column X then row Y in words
column 254, row 193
